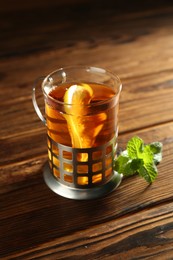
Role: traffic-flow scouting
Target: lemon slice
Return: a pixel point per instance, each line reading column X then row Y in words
column 78, row 94
column 83, row 128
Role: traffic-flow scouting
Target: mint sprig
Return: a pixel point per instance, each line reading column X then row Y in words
column 140, row 159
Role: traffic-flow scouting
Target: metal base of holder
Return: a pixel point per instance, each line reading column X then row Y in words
column 80, row 194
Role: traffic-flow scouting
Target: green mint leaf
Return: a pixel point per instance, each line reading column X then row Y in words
column 127, row 166
column 139, row 158
column 147, row 154
column 128, row 171
column 132, row 167
column 136, row 164
column 120, row 163
column 156, row 149
column 148, row 172
column 135, row 147
column 157, row 158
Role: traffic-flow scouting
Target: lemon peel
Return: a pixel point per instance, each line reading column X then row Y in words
column 78, row 94
column 83, row 128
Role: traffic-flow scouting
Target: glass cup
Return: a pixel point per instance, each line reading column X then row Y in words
column 81, row 108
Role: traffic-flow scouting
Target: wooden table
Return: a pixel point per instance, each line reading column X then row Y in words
column 134, row 41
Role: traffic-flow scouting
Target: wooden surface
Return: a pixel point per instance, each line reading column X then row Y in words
column 134, row 41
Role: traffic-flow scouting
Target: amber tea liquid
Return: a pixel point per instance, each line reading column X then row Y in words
column 95, row 123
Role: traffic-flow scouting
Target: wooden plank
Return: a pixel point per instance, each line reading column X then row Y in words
column 20, row 148
column 13, row 176
column 127, row 60
column 19, row 119
column 62, row 21
column 51, row 216
column 23, row 6
column 112, row 42
column 115, row 238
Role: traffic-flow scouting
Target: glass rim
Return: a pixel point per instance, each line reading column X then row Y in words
column 87, row 68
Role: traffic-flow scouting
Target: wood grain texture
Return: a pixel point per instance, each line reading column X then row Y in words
column 116, row 239
column 134, row 41
column 32, row 201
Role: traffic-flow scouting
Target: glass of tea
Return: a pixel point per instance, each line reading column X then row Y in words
column 81, row 117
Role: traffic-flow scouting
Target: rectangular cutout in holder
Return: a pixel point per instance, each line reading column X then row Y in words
column 55, row 149
column 67, row 155
column 108, row 172
column 56, row 161
column 56, row 173
column 68, row 178
column 82, row 180
column 68, row 167
column 97, row 155
column 82, row 157
column 82, row 168
column 108, row 149
column 97, row 178
column 97, row 166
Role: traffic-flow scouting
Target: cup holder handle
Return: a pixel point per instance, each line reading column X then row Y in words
column 34, row 100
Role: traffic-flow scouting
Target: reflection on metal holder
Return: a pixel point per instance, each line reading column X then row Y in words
column 81, row 174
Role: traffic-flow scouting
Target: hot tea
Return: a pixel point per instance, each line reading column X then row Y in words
column 81, row 107
column 88, row 119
